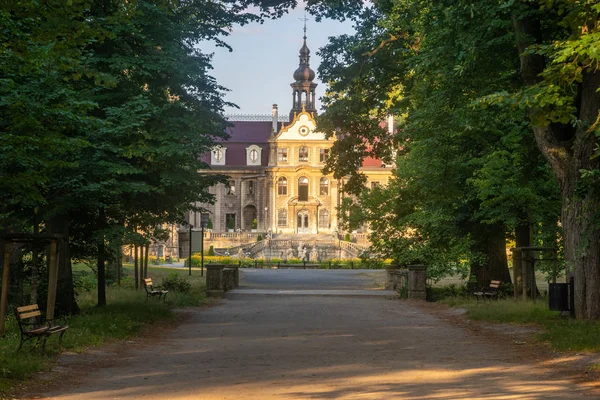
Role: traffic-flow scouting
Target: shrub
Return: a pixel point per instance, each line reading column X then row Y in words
column 211, row 250
column 254, row 223
column 347, row 237
column 176, row 283
column 209, row 224
column 85, row 281
column 450, row 291
column 259, row 238
column 128, row 282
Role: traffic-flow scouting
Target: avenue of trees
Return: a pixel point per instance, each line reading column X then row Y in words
column 498, row 106
column 105, row 109
column 106, row 106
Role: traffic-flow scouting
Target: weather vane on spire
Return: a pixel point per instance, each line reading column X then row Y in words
column 304, row 19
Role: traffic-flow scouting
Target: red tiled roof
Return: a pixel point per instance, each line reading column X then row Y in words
column 242, row 135
column 372, row 162
column 254, row 132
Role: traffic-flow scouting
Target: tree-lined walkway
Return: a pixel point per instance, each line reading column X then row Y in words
column 314, row 347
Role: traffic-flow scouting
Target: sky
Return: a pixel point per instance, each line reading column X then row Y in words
column 259, row 69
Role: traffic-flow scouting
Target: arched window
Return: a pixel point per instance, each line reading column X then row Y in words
column 323, row 219
column 303, row 154
column 282, row 186
column 303, row 189
column 324, row 187
column 282, row 218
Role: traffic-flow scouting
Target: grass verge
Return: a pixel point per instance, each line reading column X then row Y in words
column 125, row 314
column 563, row 334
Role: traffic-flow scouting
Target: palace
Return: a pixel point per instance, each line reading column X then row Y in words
column 276, row 184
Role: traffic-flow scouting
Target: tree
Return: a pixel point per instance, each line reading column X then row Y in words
column 106, row 109
column 559, row 67
column 428, row 62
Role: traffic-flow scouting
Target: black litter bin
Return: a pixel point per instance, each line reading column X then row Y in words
column 558, row 296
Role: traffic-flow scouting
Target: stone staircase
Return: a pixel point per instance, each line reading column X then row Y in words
column 286, row 246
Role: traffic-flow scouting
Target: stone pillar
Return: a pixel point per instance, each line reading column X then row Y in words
column 214, row 280
column 394, row 277
column 417, row 279
column 236, row 276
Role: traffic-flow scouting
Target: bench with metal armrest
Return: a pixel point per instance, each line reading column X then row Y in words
column 39, row 327
column 152, row 292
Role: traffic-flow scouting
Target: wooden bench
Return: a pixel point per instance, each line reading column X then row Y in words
column 491, row 292
column 151, row 292
column 39, row 328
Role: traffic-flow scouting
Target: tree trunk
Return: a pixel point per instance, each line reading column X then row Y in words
column 65, row 292
column 490, row 241
column 524, row 238
column 136, row 277
column 101, row 260
column 141, row 273
column 146, row 261
column 34, row 264
column 569, row 150
column 119, row 264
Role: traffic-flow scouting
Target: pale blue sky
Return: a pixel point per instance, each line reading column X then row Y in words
column 259, row 70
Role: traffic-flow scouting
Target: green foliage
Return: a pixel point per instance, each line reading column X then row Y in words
column 105, row 111
column 259, row 238
column 446, row 292
column 254, row 223
column 176, row 283
column 85, row 281
column 347, row 237
column 209, row 224
column 462, row 171
column 211, row 250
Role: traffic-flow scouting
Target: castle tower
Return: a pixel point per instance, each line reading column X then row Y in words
column 303, row 89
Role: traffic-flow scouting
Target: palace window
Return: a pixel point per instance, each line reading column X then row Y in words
column 282, row 186
column 230, row 221
column 282, row 218
column 303, row 189
column 282, row 154
column 303, row 154
column 217, row 155
column 253, row 155
column 323, row 154
column 323, row 219
column 324, row 187
column 230, row 188
column 204, row 217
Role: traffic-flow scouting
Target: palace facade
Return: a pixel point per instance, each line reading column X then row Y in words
column 276, row 184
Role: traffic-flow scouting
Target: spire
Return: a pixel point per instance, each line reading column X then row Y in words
column 303, row 87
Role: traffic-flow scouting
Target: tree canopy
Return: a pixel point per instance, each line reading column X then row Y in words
column 469, row 84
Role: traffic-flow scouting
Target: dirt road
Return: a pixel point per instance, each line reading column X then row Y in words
column 314, row 347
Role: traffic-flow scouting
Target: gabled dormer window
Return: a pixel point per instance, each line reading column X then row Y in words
column 253, row 155
column 217, row 155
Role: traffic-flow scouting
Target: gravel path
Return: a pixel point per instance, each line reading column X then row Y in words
column 317, row 347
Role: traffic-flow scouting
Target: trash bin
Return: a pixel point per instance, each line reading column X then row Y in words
column 558, row 296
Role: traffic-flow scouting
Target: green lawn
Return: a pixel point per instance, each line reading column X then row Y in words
column 127, row 312
column 562, row 333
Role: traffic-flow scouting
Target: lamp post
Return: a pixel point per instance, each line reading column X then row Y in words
column 190, row 254
column 202, row 226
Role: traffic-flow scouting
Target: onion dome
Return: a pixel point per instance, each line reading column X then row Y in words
column 304, row 73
